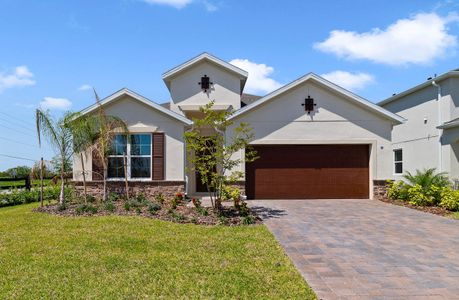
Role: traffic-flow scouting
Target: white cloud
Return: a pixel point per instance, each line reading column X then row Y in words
column 21, row 76
column 350, row 81
column 55, row 103
column 210, row 7
column 416, row 40
column 174, row 3
column 259, row 80
column 85, row 87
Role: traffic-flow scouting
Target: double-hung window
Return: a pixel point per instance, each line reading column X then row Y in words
column 398, row 161
column 133, row 153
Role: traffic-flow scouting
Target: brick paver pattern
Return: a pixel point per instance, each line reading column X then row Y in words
column 367, row 249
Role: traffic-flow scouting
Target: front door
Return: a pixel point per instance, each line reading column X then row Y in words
column 202, row 187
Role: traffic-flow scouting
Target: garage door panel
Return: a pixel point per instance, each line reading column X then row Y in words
column 309, row 171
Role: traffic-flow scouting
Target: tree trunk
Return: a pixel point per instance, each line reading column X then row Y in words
column 104, row 196
column 84, row 180
column 41, row 182
column 125, row 176
column 61, row 195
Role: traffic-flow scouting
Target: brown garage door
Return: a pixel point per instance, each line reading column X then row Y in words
column 308, row 172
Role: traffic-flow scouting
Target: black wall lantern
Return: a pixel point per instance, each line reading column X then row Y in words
column 309, row 104
column 205, row 83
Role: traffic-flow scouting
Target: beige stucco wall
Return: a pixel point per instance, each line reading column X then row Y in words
column 141, row 118
column 419, row 137
column 336, row 120
column 185, row 90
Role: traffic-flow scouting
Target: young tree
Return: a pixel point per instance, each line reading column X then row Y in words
column 102, row 129
column 60, row 138
column 212, row 153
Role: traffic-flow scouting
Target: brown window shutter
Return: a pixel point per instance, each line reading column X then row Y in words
column 97, row 166
column 158, row 156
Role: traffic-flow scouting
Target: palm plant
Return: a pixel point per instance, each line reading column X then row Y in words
column 100, row 132
column 82, row 140
column 60, row 138
column 426, row 178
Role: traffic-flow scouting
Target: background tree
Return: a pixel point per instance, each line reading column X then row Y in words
column 212, row 154
column 59, row 137
column 18, row 172
column 47, row 170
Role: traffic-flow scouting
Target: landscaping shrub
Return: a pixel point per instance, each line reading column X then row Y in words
column 140, row 198
column 177, row 200
column 196, row 202
column 232, row 193
column 397, row 190
column 86, row 208
column 449, row 199
column 16, row 197
column 248, row 220
column 113, row 197
column 159, row 197
column 417, row 196
column 109, row 206
column 153, row 208
column 127, row 205
column 426, row 178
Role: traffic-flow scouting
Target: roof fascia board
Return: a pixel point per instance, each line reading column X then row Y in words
column 419, row 87
column 311, row 76
column 140, row 98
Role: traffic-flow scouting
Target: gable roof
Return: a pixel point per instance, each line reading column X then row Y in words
column 454, row 73
column 127, row 92
column 330, row 85
column 449, row 124
column 168, row 75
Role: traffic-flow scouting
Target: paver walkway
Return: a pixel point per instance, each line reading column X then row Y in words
column 366, row 249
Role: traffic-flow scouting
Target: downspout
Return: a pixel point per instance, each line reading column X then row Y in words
column 440, row 156
column 185, row 163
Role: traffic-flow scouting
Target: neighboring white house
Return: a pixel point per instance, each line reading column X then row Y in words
column 314, row 138
column 430, row 136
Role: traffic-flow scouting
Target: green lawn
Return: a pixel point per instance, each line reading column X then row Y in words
column 44, row 256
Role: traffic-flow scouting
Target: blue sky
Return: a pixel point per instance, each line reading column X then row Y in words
column 52, row 51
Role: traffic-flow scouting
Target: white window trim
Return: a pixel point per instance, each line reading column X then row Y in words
column 397, row 161
column 128, row 158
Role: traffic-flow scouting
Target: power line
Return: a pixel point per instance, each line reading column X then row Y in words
column 19, row 131
column 16, row 118
column 16, row 123
column 17, row 157
column 10, row 140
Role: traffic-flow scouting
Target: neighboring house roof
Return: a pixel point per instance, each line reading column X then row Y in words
column 247, row 99
column 450, row 124
column 454, row 73
column 168, row 75
column 126, row 92
column 318, row 79
column 166, row 105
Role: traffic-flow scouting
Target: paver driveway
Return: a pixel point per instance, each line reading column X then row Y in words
column 367, row 249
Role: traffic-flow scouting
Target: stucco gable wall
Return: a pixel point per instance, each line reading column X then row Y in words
column 185, row 89
column 142, row 118
column 336, row 120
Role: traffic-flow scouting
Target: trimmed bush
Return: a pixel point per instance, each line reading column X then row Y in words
column 450, row 199
column 86, row 208
column 153, row 208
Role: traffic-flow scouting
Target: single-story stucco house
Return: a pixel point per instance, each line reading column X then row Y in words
column 314, row 138
column 429, row 138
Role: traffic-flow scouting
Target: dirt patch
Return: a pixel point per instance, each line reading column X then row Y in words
column 429, row 209
column 228, row 216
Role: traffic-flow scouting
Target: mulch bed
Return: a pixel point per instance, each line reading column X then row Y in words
column 428, row 209
column 228, row 216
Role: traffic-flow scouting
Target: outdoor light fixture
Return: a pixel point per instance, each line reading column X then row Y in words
column 309, row 104
column 205, row 83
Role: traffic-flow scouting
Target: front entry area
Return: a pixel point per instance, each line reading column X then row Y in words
column 309, row 172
